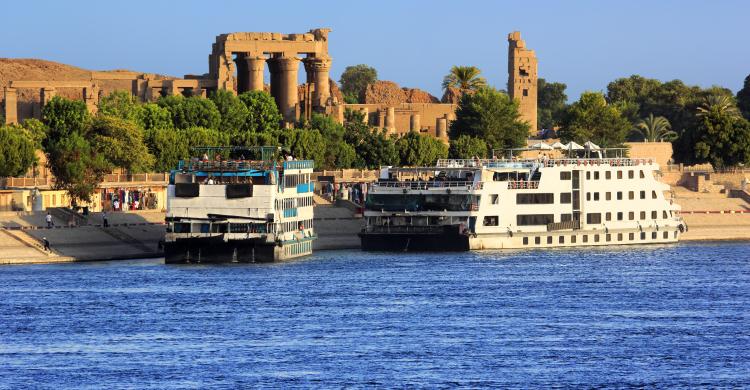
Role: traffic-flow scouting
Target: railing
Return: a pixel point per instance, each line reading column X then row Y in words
column 27, row 181
column 136, row 177
column 30, row 182
column 229, row 165
column 426, row 185
column 572, row 224
column 525, row 163
column 431, row 229
column 523, row 185
column 301, row 164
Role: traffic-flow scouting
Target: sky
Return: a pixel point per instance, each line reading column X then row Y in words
column 584, row 44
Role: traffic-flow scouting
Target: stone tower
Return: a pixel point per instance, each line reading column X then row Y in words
column 522, row 76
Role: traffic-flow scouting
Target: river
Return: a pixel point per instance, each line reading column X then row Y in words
column 655, row 316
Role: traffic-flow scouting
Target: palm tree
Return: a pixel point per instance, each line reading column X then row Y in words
column 464, row 78
column 720, row 104
column 655, row 129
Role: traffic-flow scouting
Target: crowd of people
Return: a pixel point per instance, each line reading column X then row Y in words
column 355, row 192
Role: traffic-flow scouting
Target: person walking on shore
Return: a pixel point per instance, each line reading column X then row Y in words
column 46, row 244
column 105, row 221
column 48, row 218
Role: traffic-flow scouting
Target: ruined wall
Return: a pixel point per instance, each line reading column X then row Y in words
column 661, row 152
column 522, row 79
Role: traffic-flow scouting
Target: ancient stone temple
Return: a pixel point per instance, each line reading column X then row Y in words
column 522, row 78
column 247, row 53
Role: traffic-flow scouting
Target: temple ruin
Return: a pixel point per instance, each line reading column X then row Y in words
column 237, row 63
column 522, row 79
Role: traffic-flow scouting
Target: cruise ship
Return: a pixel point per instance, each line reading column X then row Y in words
column 227, row 207
column 475, row 204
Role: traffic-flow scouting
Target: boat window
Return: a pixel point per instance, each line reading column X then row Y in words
column 619, row 174
column 608, row 195
column 561, row 240
column 631, row 236
column 619, row 236
column 181, row 228
column 573, row 239
column 664, row 214
column 653, row 194
column 594, row 218
column 631, row 174
column 588, row 175
column 537, row 240
column 585, row 238
column 608, row 175
column 631, row 195
column 565, row 175
column 596, row 238
column 565, row 197
column 596, row 175
column 619, row 215
column 596, row 196
column 549, row 239
column 526, row 241
column 540, row 198
column 608, row 216
column 631, row 215
column 608, row 237
column 653, row 235
column 643, row 235
column 534, row 219
column 643, row 175
column 643, row 194
column 495, row 199
column 643, row 215
column 490, row 220
column 653, row 214
column 588, row 196
column 619, row 195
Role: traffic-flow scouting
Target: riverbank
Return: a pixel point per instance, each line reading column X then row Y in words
column 137, row 235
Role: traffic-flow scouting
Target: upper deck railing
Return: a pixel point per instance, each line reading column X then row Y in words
column 225, row 165
column 528, row 163
column 299, row 164
column 431, row 184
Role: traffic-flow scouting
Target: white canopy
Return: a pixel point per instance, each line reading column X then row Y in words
column 591, row 146
column 541, row 146
column 558, row 145
column 573, row 146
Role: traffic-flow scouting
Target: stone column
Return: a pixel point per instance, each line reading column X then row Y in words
column 242, row 74
column 365, row 115
column 381, row 118
column 256, row 64
column 414, row 122
column 317, row 69
column 47, row 94
column 390, row 120
column 11, row 105
column 441, row 128
column 91, row 98
column 285, row 92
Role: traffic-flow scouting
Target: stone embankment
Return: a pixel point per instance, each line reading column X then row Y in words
column 137, row 234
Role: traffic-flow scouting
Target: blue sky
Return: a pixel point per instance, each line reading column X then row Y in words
column 584, row 44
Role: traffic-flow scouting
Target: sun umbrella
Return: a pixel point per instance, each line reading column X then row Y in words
column 541, row 146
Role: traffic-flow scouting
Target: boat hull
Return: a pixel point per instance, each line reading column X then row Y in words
column 217, row 250
column 414, row 242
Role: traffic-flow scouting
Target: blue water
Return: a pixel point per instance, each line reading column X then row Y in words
column 655, row 316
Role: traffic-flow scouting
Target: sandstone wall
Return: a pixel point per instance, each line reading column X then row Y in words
column 661, row 152
column 428, row 113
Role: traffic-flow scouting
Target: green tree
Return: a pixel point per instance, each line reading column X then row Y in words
column 193, row 111
column 168, row 146
column 353, row 115
column 152, row 116
column 77, row 167
column 743, row 98
column 121, row 143
column 492, row 116
column 263, row 114
column 722, row 137
column 373, row 147
column 415, row 149
column 467, row 147
column 233, row 112
column 464, row 78
column 653, row 129
column 37, row 131
column 17, row 150
column 592, row 119
column 551, row 99
column 119, row 104
column 304, row 144
column 64, row 117
column 354, row 81
column 201, row 136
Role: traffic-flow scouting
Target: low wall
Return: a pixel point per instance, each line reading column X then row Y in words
column 661, row 152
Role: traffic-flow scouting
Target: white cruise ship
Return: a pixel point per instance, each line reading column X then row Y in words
column 477, row 204
column 239, row 209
